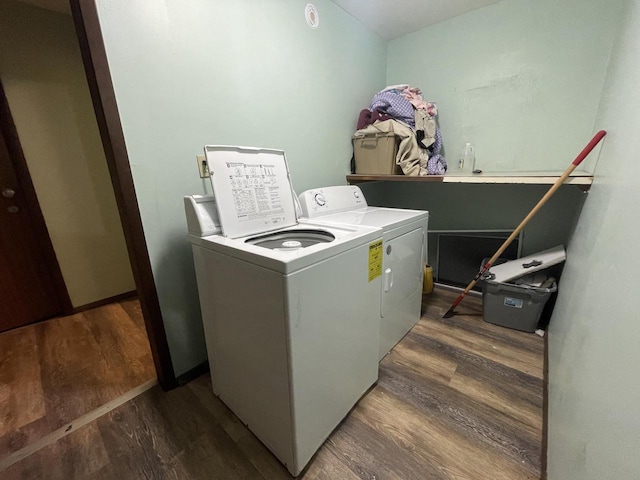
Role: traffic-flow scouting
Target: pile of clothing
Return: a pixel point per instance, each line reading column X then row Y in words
column 400, row 109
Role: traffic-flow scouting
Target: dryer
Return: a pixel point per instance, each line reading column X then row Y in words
column 404, row 252
column 288, row 309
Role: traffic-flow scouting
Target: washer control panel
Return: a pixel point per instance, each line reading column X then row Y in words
column 327, row 200
column 202, row 215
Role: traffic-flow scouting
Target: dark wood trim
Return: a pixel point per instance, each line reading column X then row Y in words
column 545, row 409
column 194, row 373
column 19, row 163
column 356, row 178
column 106, row 301
column 94, row 56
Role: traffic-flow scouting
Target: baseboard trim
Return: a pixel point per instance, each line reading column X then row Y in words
column 105, row 301
column 192, row 374
column 451, row 288
column 68, row 428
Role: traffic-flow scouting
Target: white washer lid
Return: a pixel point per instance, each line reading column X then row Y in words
column 252, row 189
column 383, row 217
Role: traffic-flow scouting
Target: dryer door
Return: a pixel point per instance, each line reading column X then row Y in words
column 402, row 270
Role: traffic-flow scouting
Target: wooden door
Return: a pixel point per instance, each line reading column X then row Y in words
column 29, row 289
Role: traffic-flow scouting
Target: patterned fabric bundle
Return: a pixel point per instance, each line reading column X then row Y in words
column 414, row 95
column 394, row 105
column 437, row 165
column 402, row 110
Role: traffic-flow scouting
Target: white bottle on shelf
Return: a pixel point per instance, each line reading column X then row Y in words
column 467, row 161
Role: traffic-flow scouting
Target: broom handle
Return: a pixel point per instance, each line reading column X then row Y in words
column 585, row 151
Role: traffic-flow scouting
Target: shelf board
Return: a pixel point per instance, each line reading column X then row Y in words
column 582, row 179
column 361, row 178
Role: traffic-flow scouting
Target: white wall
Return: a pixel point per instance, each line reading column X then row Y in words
column 187, row 74
column 520, row 79
column 46, row 87
column 594, row 352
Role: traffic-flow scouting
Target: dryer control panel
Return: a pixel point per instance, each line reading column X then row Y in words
column 324, row 201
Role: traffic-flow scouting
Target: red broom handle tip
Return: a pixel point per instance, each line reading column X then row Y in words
column 590, row 146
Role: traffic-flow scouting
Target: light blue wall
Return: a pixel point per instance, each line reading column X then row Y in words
column 520, row 79
column 249, row 73
column 594, row 353
column 192, row 73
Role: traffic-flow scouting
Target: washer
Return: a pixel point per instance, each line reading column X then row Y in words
column 289, row 312
column 404, row 247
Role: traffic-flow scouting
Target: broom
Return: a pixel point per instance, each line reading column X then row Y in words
column 585, row 151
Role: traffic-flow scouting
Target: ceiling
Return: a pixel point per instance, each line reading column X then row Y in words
column 394, row 18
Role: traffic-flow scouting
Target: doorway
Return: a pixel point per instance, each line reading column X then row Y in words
column 60, row 255
column 30, row 279
column 110, row 166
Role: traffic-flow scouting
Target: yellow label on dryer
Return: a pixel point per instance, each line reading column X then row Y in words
column 375, row 260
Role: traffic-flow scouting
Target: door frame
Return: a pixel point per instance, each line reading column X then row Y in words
column 16, row 157
column 94, row 57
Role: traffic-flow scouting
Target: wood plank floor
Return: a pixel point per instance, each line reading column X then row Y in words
column 55, row 371
column 456, row 399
